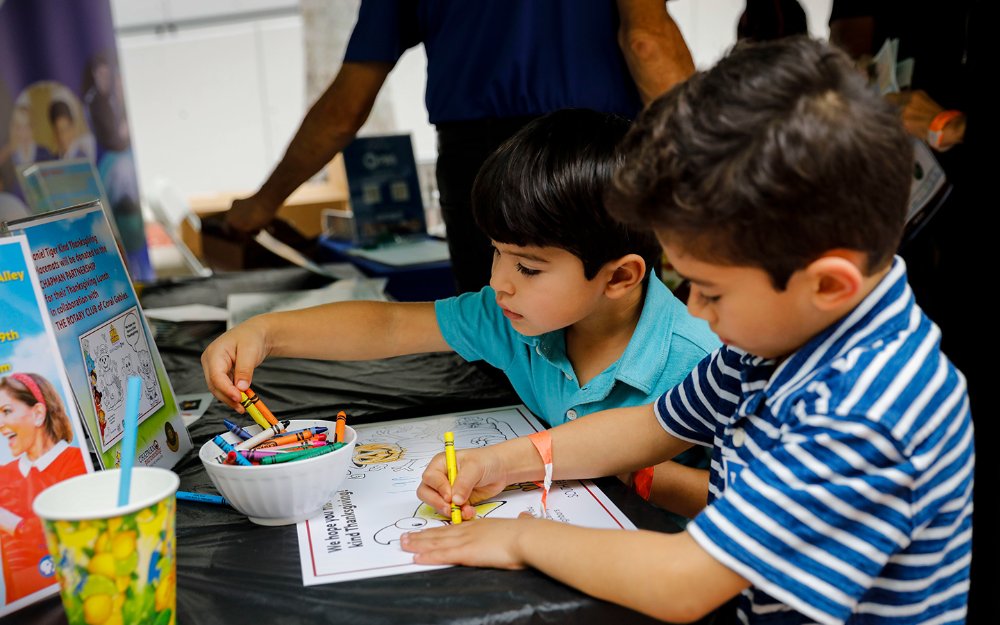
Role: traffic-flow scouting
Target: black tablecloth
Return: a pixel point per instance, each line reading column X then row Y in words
column 230, row 570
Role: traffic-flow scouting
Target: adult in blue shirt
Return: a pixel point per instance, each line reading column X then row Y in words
column 492, row 66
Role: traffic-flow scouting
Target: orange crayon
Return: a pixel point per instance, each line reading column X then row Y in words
column 341, row 424
column 286, row 439
column 312, row 442
column 255, row 399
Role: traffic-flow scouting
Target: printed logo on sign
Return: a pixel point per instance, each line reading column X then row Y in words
column 46, row 567
column 373, row 160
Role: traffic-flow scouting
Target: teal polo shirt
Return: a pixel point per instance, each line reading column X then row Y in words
column 666, row 345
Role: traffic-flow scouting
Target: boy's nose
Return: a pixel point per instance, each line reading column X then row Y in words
column 499, row 280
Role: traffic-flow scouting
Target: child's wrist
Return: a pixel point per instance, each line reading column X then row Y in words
column 520, row 461
column 946, row 130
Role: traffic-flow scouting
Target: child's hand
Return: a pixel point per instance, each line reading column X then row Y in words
column 484, row 542
column 228, row 363
column 480, row 477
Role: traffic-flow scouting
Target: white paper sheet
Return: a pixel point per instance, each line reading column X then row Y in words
column 242, row 306
column 406, row 253
column 357, row 536
column 187, row 312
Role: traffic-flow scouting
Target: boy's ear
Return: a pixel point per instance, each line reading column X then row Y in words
column 836, row 278
column 623, row 275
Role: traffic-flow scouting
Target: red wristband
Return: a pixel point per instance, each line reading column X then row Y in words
column 642, row 482
column 935, row 130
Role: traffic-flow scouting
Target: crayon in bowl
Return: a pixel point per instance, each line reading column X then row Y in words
column 279, row 493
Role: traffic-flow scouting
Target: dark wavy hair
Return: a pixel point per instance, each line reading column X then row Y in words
column 773, row 157
column 545, row 187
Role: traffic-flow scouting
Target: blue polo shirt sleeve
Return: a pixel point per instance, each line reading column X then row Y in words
column 384, row 31
column 473, row 325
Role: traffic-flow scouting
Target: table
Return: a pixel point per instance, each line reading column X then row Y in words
column 232, row 571
column 421, row 282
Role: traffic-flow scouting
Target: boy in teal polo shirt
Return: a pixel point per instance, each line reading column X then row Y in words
column 574, row 314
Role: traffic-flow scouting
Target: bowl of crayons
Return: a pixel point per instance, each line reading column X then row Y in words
column 281, row 474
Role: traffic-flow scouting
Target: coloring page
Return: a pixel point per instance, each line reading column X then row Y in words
column 113, row 351
column 357, row 536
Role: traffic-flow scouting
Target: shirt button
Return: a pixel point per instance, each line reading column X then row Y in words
column 569, row 376
column 571, row 414
column 739, row 437
column 538, row 349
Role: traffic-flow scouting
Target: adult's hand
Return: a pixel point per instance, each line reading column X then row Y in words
column 250, row 215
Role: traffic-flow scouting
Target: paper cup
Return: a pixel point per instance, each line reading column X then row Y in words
column 115, row 564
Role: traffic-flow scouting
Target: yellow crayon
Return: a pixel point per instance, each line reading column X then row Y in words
column 449, row 458
column 259, row 404
column 253, row 412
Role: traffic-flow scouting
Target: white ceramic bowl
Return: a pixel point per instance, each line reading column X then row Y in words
column 280, row 494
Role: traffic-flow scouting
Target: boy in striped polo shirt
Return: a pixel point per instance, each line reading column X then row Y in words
column 841, row 487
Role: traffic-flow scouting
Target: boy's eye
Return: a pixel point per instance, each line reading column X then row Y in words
column 709, row 299
column 526, row 271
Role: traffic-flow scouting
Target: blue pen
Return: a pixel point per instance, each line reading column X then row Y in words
column 226, row 447
column 237, row 430
column 202, row 497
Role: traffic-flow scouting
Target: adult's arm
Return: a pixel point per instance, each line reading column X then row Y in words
column 653, row 46
column 327, row 128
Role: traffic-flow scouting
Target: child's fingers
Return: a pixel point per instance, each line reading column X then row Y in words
column 216, row 364
column 247, row 358
column 468, row 478
column 434, row 498
column 489, row 542
column 435, row 489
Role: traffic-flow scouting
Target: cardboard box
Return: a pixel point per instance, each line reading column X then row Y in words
column 303, row 210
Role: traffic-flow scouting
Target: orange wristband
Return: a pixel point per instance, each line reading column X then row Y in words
column 543, row 445
column 642, row 482
column 935, row 130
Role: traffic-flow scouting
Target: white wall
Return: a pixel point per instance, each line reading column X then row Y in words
column 212, row 106
column 709, row 26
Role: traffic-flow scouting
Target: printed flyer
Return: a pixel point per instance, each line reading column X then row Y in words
column 102, row 334
column 357, row 536
column 42, row 440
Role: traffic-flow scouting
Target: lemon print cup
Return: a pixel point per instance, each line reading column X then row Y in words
column 115, row 565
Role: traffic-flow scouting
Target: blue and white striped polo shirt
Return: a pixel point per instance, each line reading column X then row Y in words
column 841, row 482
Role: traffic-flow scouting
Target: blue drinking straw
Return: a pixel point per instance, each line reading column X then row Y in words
column 128, row 442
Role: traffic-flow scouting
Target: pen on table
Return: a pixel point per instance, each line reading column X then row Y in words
column 341, row 424
column 264, row 435
column 253, row 411
column 237, row 430
column 449, row 457
column 184, row 495
column 259, row 403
